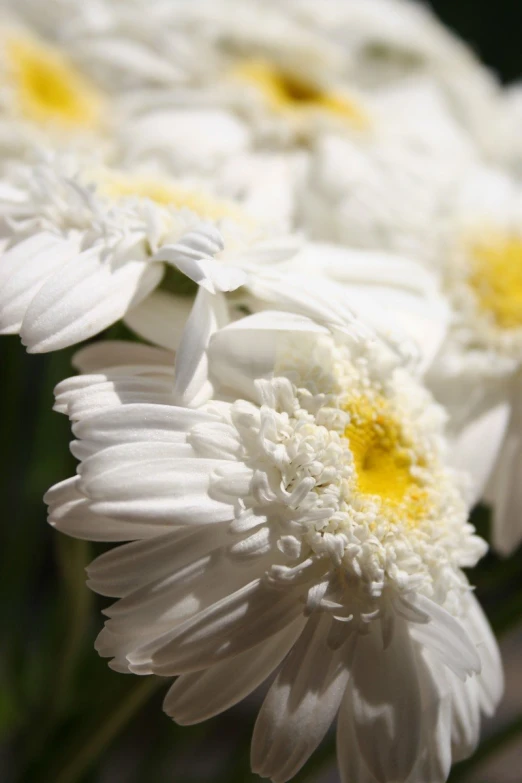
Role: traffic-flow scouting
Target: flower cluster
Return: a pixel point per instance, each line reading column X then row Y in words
column 309, row 215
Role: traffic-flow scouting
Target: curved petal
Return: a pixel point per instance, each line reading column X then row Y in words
column 198, row 696
column 301, row 704
column 24, row 268
column 191, row 384
column 387, row 703
column 70, row 512
column 84, row 297
column 160, row 318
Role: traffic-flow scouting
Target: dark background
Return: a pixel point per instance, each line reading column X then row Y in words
column 492, row 27
column 64, row 716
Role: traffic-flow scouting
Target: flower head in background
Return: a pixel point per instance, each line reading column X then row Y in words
column 395, row 42
column 288, row 500
column 479, row 369
column 83, row 245
column 44, row 100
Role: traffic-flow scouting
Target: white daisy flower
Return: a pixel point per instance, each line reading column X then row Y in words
column 44, row 99
column 393, row 41
column 287, row 498
column 83, row 247
column 479, row 369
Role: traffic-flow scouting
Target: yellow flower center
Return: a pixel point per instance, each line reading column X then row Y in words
column 169, row 194
column 286, row 93
column 496, row 279
column 48, row 89
column 384, row 461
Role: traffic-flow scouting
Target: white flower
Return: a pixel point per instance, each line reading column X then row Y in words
column 478, row 373
column 44, row 100
column 287, row 498
column 82, row 247
column 389, row 42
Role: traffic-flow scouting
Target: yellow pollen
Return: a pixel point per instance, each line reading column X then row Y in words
column 49, row 90
column 169, row 194
column 383, row 460
column 292, row 95
column 496, row 279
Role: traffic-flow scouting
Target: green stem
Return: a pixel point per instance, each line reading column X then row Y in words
column 487, row 748
column 73, row 770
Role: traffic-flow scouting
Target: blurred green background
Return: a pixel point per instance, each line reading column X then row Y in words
column 64, row 716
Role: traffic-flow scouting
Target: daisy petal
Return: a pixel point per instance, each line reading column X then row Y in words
column 387, row 704
column 198, row 696
column 83, row 298
column 300, row 705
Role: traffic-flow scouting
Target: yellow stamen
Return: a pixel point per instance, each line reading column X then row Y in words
column 286, row 93
column 496, row 279
column 383, row 461
column 48, row 89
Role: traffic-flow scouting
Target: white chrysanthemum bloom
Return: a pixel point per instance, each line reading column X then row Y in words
column 121, row 45
column 83, row 247
column 44, row 99
column 478, row 373
column 265, row 81
column 288, row 501
column 391, row 41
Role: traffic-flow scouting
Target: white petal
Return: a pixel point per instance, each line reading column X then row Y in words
column 301, row 704
column 490, row 681
column 84, row 297
column 70, row 512
column 24, row 269
column 406, row 292
column 112, row 353
column 507, row 486
column 140, row 422
column 465, row 713
column 476, row 447
column 126, row 569
column 154, row 612
column 227, row 628
column 135, row 482
column 387, row 703
column 352, row 766
column 92, row 394
column 447, row 638
column 198, row 696
column 194, row 255
column 192, row 386
column 160, row 318
column 247, row 349
column 182, row 138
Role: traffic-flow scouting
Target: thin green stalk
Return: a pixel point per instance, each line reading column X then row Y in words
column 89, row 751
